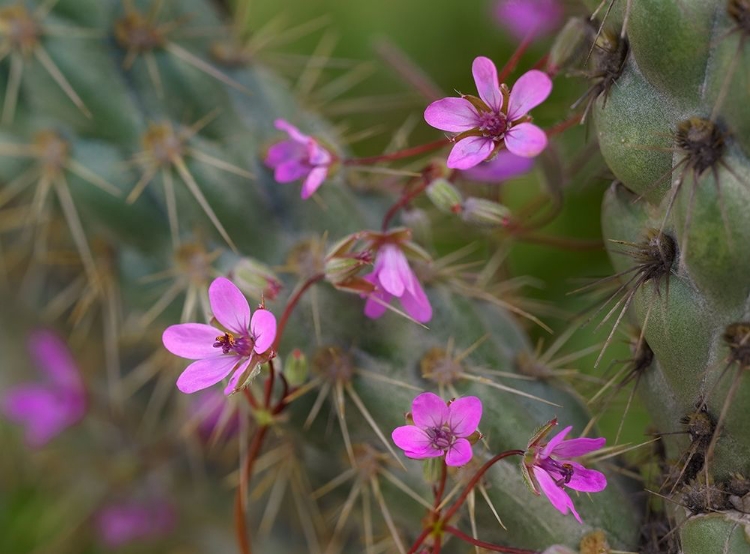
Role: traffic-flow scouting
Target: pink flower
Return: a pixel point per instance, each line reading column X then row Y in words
column 393, row 277
column 498, row 118
column 131, row 521
column 440, row 429
column 48, row 407
column 214, row 415
column 548, row 468
column 240, row 343
column 299, row 157
column 502, row 167
column 528, row 18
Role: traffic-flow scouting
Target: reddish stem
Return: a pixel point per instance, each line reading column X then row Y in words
column 420, row 539
column 406, row 153
column 541, row 63
column 403, row 201
column 512, row 62
column 269, row 385
column 564, row 125
column 291, row 305
column 475, row 479
column 247, row 391
column 282, row 401
column 441, row 488
column 489, row 546
column 243, row 536
column 438, row 543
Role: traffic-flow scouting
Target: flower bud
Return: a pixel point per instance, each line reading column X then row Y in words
column 296, row 368
column 570, row 46
column 485, row 213
column 256, row 279
column 343, row 267
column 445, row 196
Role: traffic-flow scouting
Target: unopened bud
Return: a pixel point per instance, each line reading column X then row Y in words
column 485, row 213
column 296, row 368
column 571, row 45
column 256, row 279
column 445, row 196
column 339, row 269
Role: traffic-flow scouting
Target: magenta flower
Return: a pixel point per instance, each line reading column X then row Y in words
column 528, row 19
column 498, row 118
column 242, row 342
column 48, row 407
column 300, row 157
column 440, row 429
column 127, row 522
column 393, row 277
column 502, row 167
column 548, row 467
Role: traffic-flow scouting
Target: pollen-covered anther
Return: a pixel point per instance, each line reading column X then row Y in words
column 52, row 151
column 737, row 337
column 19, row 28
column 226, row 342
column 135, row 32
column 163, row 144
column 334, row 365
column 701, row 141
column 438, row 366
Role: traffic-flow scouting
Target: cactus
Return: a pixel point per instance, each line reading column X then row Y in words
column 673, row 132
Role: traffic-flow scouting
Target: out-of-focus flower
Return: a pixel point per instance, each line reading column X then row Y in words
column 133, row 521
column 48, row 407
column 214, row 415
column 528, row 19
column 504, row 166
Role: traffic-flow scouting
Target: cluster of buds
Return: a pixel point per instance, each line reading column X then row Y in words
column 474, row 211
column 256, row 279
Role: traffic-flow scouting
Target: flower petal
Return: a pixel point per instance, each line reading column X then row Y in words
column 470, row 151
column 42, row 411
column 416, row 303
column 411, row 438
column 459, row 453
column 229, row 305
column 52, row 356
column 316, row 154
column 554, row 441
column 394, row 272
column 294, row 133
column 557, row 496
column 502, row 167
column 313, row 181
column 586, row 480
column 193, row 341
column 263, row 329
column 488, row 87
column 290, row 171
column 284, row 151
column 531, row 89
column 465, row 414
column 577, row 447
column 454, row 115
column 377, row 304
column 526, row 140
column 229, row 389
column 204, row 373
column 429, row 411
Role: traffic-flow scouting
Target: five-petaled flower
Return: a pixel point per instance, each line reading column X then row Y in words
column 242, row 342
column 299, row 157
column 440, row 428
column 48, row 407
column 393, row 278
column 498, row 118
column 547, row 467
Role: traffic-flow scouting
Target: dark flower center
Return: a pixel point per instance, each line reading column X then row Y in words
column 441, row 437
column 242, row 346
column 561, row 472
column 493, row 124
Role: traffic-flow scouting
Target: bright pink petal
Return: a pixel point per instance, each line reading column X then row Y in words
column 229, row 305
column 377, row 304
column 454, row 115
column 557, row 496
column 531, row 89
column 52, row 357
column 193, row 341
column 232, row 385
column 586, row 480
column 554, row 441
column 204, row 373
column 429, row 411
column 316, row 154
column 410, row 438
column 263, row 330
column 394, row 270
column 502, row 167
column 577, row 447
column 284, row 151
column 290, row 171
column 459, row 453
column 485, row 77
column 525, row 140
column 294, row 133
column 470, row 151
column 313, row 181
column 416, row 303
column 465, row 414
